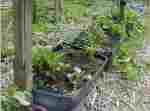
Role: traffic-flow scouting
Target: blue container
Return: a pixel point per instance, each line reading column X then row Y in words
column 54, row 101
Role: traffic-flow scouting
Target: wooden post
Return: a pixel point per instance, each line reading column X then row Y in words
column 147, row 20
column 23, row 44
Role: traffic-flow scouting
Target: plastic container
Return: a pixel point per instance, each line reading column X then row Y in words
column 53, row 101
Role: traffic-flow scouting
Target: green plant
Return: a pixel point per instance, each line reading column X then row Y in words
column 130, row 26
column 45, row 60
column 132, row 71
column 8, row 103
column 40, row 12
column 96, row 36
column 124, row 61
column 99, row 7
column 75, row 9
column 39, row 58
column 40, row 27
column 41, row 17
column 104, row 22
column 78, row 40
column 55, row 62
column 131, row 30
column 14, row 99
column 91, row 52
column 134, row 26
column 118, row 30
column 127, row 67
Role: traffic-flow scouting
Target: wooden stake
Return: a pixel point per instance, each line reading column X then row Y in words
column 23, row 44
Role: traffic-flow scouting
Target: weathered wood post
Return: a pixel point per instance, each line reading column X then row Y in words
column 147, row 20
column 23, row 65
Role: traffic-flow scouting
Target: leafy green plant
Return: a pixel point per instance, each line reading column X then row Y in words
column 14, row 99
column 130, row 27
column 8, row 103
column 132, row 72
column 104, row 22
column 41, row 17
column 96, row 36
column 40, row 12
column 128, row 67
column 131, row 31
column 99, row 7
column 75, row 9
column 77, row 40
column 91, row 52
column 40, row 27
column 124, row 61
column 49, row 67
column 45, row 60
column 118, row 30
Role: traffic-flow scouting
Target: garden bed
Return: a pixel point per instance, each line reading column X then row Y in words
column 74, row 85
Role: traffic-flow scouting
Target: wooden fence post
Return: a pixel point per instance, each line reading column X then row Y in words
column 23, row 44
